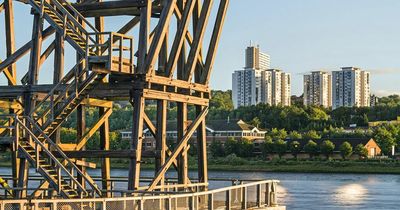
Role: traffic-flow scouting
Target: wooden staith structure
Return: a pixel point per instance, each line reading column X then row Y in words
column 170, row 61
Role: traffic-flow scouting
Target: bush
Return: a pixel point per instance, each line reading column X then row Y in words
column 327, row 148
column 217, row 149
column 346, row 150
column 311, row 148
column 280, row 147
column 294, row 148
column 267, row 147
column 361, row 151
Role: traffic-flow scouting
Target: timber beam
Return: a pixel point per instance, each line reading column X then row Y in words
column 107, row 154
column 114, row 8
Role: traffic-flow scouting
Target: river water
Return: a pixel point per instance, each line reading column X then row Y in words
column 316, row 191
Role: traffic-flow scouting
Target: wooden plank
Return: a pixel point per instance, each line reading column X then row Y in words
column 161, row 136
column 202, row 149
column 179, row 38
column 154, row 94
column 212, row 49
column 144, row 32
column 23, row 50
column 160, row 34
column 67, row 147
column 47, row 53
column 106, row 154
column 82, row 7
column 178, row 149
column 10, row 40
column 97, row 103
column 10, row 105
column 85, row 164
column 198, row 39
column 137, row 138
column 86, row 136
column 182, row 115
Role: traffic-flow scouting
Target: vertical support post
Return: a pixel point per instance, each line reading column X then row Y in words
column 105, row 127
column 105, row 145
column 58, row 72
column 29, row 100
column 137, row 101
column 81, row 128
column 202, row 150
column 80, row 111
column 144, row 32
column 10, row 39
column 161, row 137
column 182, row 158
column 182, row 113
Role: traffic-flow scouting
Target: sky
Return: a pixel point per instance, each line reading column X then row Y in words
column 300, row 36
column 307, row 35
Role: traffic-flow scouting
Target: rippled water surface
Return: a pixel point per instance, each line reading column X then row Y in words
column 316, row 191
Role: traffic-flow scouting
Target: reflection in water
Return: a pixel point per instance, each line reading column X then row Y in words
column 350, row 194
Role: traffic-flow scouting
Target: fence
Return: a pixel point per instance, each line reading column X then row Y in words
column 243, row 196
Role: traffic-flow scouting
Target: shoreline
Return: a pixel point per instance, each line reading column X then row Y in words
column 323, row 167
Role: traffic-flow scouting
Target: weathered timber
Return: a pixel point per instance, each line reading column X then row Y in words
column 108, row 69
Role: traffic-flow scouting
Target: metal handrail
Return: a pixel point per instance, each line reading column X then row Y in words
column 68, row 77
column 62, row 154
column 51, row 156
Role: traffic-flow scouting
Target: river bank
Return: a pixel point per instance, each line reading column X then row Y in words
column 292, row 166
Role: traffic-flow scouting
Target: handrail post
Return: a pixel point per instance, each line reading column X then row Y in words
column 37, row 155
column 211, row 201
column 244, row 197
column 267, row 194
column 259, row 195
column 273, row 194
column 59, row 179
column 228, row 204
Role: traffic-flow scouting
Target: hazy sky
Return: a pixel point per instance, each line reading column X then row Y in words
column 306, row 35
column 300, row 36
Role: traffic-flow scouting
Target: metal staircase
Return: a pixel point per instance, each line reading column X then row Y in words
column 47, row 116
column 68, row 21
column 59, row 172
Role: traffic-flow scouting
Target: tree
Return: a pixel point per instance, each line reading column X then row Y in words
column 217, row 149
column 346, row 150
column 294, row 148
column 278, row 134
column 385, row 139
column 295, row 135
column 280, row 147
column 361, row 151
column 231, row 146
column 255, row 122
column 267, row 147
column 245, row 148
column 327, row 148
column 311, row 134
column 311, row 148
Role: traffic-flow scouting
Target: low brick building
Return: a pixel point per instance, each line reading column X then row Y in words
column 217, row 130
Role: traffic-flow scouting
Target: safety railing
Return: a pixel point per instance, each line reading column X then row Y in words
column 45, row 110
column 116, row 51
column 251, row 195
